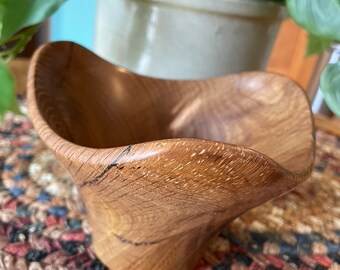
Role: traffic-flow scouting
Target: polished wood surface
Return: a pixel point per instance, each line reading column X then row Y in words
column 19, row 68
column 330, row 125
column 288, row 55
column 162, row 165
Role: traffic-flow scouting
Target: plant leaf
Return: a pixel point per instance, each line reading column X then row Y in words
column 7, row 96
column 330, row 87
column 319, row 17
column 317, row 45
column 18, row 14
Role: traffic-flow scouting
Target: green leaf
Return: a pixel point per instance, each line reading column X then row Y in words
column 7, row 96
column 330, row 87
column 317, row 45
column 319, row 17
column 18, row 14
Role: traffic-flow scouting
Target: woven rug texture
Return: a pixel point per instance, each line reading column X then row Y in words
column 43, row 222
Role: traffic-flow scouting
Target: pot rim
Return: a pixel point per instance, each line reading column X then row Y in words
column 260, row 9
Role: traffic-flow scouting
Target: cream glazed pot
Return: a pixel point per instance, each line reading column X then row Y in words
column 187, row 39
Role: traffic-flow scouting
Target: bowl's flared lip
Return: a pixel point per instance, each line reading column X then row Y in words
column 55, row 142
column 47, row 133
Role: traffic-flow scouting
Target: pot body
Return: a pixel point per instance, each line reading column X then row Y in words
column 183, row 39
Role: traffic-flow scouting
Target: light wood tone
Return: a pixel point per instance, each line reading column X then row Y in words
column 19, row 68
column 163, row 165
column 330, row 125
column 288, row 54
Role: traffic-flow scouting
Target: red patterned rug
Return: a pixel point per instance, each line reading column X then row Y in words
column 43, row 223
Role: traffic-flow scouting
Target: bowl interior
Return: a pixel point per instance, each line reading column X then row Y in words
column 92, row 103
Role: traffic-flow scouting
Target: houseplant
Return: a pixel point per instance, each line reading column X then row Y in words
column 322, row 21
column 320, row 18
column 19, row 20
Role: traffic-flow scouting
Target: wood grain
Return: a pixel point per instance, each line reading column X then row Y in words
column 330, row 125
column 162, row 165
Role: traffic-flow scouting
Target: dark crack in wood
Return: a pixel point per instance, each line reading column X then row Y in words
column 114, row 163
column 129, row 242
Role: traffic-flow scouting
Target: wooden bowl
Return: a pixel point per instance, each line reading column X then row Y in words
column 163, row 165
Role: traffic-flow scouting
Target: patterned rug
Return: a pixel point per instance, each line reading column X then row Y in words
column 43, row 223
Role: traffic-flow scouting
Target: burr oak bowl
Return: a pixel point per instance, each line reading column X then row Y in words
column 163, row 165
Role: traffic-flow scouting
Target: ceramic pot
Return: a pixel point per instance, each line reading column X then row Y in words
column 183, row 39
